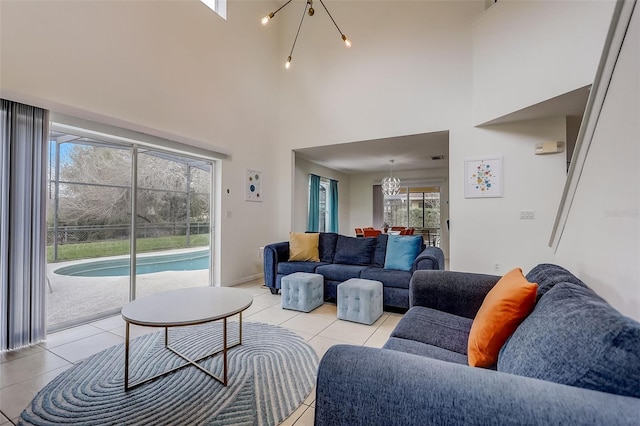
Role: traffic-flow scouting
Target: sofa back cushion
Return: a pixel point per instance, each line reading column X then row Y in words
column 354, row 251
column 327, row 246
column 381, row 250
column 547, row 275
column 575, row 338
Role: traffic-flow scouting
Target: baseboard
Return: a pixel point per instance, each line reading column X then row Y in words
column 243, row 280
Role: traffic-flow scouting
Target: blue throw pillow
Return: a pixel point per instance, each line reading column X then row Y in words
column 354, row 251
column 402, row 250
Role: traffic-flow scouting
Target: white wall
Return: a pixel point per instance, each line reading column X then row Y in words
column 301, row 194
column 174, row 67
column 488, row 230
column 601, row 241
column 525, row 52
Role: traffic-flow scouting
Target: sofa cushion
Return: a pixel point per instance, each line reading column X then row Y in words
column 327, row 246
column 422, row 349
column 503, row 309
column 340, row 273
column 388, row 277
column 286, row 268
column 354, row 251
column 381, row 250
column 547, row 275
column 433, row 327
column 575, row 338
column 402, row 250
column 303, row 247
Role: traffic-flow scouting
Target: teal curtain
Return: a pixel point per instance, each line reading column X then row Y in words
column 314, row 204
column 24, row 131
column 333, row 205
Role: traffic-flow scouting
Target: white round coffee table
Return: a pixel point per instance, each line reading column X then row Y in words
column 183, row 307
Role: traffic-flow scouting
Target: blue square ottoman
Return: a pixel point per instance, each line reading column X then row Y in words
column 360, row 300
column 302, row 291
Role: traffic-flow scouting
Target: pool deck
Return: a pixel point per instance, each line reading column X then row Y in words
column 73, row 298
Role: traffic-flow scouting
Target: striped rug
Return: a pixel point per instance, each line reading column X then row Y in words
column 270, row 375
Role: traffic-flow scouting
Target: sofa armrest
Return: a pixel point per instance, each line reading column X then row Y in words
column 458, row 293
column 272, row 255
column 429, row 258
column 366, row 386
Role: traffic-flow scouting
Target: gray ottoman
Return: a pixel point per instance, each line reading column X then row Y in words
column 302, row 291
column 360, row 300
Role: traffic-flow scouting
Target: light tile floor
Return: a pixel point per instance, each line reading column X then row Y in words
column 25, row 371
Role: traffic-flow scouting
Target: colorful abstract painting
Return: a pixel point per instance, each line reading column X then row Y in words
column 253, row 185
column 483, row 178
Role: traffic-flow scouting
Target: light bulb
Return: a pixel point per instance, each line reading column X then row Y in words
column 266, row 19
column 288, row 64
column 347, row 42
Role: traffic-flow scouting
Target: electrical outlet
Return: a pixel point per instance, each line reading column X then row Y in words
column 496, row 266
column 260, row 251
column 527, row 214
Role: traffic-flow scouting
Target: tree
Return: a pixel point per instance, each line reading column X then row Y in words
column 96, row 187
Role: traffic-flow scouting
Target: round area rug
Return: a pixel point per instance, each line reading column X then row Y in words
column 269, row 376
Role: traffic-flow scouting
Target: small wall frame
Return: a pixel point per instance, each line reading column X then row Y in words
column 253, row 185
column 483, row 177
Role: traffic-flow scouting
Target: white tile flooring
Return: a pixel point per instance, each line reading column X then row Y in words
column 24, row 372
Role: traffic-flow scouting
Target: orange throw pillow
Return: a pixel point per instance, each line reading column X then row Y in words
column 503, row 309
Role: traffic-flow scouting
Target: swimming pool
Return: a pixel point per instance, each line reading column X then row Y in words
column 189, row 261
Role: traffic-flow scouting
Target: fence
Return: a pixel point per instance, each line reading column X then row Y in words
column 100, row 233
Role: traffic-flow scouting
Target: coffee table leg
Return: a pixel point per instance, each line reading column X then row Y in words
column 240, row 326
column 166, row 337
column 126, row 357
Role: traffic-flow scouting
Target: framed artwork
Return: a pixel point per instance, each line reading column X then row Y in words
column 253, row 185
column 483, row 177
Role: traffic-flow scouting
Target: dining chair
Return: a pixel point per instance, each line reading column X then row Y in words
column 371, row 232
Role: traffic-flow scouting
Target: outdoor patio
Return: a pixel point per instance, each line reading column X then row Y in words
column 72, row 298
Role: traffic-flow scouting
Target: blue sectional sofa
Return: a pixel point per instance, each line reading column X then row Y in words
column 574, row 360
column 342, row 258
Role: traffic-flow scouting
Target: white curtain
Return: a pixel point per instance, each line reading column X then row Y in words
column 24, row 131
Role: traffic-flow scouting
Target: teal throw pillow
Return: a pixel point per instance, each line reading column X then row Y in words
column 402, row 250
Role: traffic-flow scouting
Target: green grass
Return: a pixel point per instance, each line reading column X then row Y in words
column 120, row 247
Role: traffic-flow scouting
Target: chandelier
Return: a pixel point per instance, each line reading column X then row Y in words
column 390, row 184
column 308, row 9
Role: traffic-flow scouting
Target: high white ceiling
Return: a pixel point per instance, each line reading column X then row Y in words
column 411, row 152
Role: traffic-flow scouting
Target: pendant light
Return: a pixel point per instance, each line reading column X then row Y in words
column 390, row 184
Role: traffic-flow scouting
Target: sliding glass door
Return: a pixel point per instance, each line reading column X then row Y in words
column 94, row 186
column 172, row 222
column 416, row 207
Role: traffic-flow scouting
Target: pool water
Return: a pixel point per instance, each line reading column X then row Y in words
column 190, row 261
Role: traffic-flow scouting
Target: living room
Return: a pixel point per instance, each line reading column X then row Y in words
column 178, row 71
